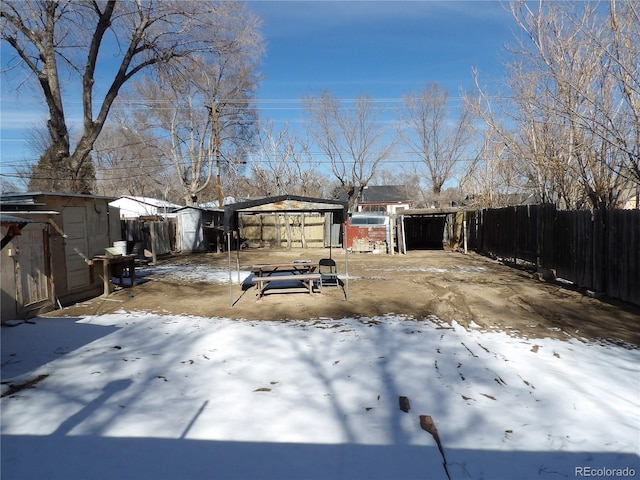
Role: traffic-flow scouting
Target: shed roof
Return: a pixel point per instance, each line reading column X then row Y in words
column 283, row 204
column 6, row 218
column 29, row 197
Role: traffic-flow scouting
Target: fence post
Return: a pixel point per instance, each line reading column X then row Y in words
column 599, row 250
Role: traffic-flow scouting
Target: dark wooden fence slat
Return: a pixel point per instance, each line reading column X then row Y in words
column 597, row 250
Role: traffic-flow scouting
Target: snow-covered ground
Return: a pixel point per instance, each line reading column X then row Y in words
column 141, row 396
column 189, row 273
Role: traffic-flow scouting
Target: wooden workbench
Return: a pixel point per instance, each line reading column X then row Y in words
column 127, row 261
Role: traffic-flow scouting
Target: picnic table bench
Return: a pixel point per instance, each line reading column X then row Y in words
column 302, row 272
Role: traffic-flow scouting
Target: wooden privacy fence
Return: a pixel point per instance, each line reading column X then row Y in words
column 597, row 250
column 291, row 230
column 134, row 231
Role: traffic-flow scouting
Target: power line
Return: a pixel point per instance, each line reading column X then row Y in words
column 158, row 168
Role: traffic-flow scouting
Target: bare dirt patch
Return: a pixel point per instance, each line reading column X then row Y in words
column 471, row 289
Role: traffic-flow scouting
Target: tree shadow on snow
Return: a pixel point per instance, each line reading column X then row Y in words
column 32, row 344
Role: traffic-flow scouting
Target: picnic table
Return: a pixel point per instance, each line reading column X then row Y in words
column 268, row 273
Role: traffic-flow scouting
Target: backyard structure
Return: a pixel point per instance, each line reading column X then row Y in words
column 285, row 204
column 428, row 228
column 370, row 233
column 406, row 229
column 48, row 263
column 174, row 228
column 199, row 229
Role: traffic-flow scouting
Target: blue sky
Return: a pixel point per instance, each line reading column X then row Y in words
column 381, row 48
column 384, row 49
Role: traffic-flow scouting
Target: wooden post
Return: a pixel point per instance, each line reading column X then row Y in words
column 106, row 277
column 404, row 235
column 346, row 260
column 152, row 232
column 287, row 228
column 395, row 237
column 464, row 230
column 303, row 238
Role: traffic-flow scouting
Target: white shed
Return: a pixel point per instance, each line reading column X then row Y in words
column 199, row 229
column 190, row 232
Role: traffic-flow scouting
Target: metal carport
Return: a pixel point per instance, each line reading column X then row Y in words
column 281, row 204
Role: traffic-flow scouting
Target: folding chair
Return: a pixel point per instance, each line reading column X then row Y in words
column 328, row 272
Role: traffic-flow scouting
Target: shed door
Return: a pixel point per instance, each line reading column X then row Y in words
column 33, row 282
column 24, row 271
column 191, row 235
column 76, row 247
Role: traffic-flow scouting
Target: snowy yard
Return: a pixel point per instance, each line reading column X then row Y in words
column 142, row 396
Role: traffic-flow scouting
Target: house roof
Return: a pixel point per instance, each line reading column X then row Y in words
column 384, row 194
column 134, row 206
column 153, row 202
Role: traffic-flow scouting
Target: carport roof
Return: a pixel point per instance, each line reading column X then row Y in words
column 426, row 212
column 283, row 204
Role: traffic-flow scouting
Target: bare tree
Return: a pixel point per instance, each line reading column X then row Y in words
column 207, row 115
column 563, row 121
column 283, row 164
column 431, row 134
column 8, row 186
column 351, row 138
column 28, row 175
column 579, row 55
column 624, row 55
column 52, row 38
column 490, row 178
column 130, row 161
column 525, row 146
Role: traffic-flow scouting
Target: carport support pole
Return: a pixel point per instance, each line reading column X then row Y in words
column 346, row 261
column 230, row 280
column 238, row 256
